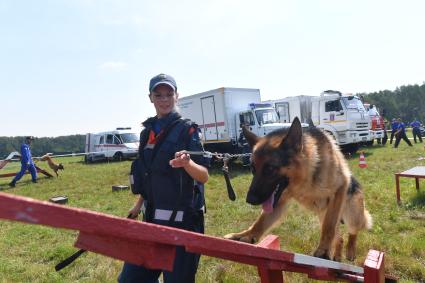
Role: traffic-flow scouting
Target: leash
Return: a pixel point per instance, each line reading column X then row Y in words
column 225, row 157
column 64, row 263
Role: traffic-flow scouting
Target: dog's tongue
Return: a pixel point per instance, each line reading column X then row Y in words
column 268, row 204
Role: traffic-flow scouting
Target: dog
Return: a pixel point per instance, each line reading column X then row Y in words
column 305, row 165
column 55, row 167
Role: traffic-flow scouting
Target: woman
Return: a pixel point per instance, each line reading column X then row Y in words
column 168, row 180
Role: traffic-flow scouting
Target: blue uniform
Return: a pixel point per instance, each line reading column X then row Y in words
column 415, row 130
column 168, row 191
column 401, row 134
column 26, row 164
column 394, row 127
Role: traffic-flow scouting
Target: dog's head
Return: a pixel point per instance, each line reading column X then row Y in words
column 274, row 161
column 60, row 166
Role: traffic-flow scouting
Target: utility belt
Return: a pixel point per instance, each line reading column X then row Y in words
column 190, row 219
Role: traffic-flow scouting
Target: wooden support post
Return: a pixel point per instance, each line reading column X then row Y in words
column 374, row 271
column 268, row 275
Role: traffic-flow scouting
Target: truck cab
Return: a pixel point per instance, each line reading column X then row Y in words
column 261, row 118
column 343, row 116
column 118, row 144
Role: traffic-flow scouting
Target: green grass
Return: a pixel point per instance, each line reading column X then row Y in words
column 30, row 252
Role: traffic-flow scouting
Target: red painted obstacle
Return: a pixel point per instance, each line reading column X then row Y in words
column 154, row 246
column 39, row 170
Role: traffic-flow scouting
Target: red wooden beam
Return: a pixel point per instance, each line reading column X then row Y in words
column 39, row 170
column 23, row 209
column 148, row 254
column 154, row 245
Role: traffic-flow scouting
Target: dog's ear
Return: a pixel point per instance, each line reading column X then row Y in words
column 293, row 139
column 250, row 137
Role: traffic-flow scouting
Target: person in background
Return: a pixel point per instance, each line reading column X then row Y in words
column 26, row 163
column 246, row 149
column 394, row 127
column 401, row 134
column 167, row 179
column 415, row 130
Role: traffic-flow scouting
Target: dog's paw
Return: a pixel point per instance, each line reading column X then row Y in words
column 241, row 238
column 350, row 255
column 322, row 253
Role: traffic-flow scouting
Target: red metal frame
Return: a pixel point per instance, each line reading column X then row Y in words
column 154, row 246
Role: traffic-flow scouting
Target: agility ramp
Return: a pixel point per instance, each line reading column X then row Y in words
column 154, row 246
column 8, row 159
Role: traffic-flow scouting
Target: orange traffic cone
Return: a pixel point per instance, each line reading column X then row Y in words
column 362, row 160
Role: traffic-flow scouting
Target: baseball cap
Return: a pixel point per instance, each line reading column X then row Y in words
column 162, row 79
column 29, row 138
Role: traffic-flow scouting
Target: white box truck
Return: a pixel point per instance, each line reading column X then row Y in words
column 116, row 145
column 220, row 113
column 342, row 116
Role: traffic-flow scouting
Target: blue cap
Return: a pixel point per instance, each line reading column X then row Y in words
column 162, row 79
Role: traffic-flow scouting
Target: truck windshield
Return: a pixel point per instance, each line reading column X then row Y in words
column 266, row 116
column 128, row 138
column 352, row 102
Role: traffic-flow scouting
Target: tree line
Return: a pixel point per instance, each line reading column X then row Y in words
column 41, row 146
column 405, row 102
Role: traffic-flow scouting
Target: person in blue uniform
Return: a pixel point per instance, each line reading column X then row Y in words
column 169, row 181
column 415, row 130
column 401, row 134
column 394, row 128
column 26, row 163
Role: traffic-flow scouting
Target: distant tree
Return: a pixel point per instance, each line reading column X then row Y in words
column 41, row 146
column 405, row 102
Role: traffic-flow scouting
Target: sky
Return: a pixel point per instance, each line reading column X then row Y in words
column 78, row 66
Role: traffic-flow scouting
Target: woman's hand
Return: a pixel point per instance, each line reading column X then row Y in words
column 181, row 159
column 134, row 212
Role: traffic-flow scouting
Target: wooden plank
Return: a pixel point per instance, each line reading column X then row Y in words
column 37, row 212
column 43, row 172
column 148, row 254
column 3, row 163
column 39, row 170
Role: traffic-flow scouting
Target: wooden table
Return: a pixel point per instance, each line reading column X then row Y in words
column 417, row 172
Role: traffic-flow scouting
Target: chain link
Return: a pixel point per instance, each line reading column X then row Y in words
column 217, row 155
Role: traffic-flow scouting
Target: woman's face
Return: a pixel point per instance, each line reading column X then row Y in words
column 164, row 99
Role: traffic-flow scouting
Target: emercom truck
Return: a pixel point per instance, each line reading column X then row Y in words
column 220, row 113
column 111, row 145
column 342, row 116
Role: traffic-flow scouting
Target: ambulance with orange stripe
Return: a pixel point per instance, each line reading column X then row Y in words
column 118, row 144
column 220, row 112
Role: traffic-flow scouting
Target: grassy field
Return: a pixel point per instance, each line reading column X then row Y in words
column 30, row 252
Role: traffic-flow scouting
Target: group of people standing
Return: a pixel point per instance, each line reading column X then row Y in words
column 398, row 130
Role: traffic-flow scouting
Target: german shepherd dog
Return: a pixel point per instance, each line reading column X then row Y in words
column 305, row 165
column 55, row 167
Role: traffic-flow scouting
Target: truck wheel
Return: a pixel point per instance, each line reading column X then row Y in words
column 118, row 156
